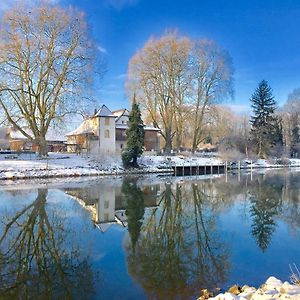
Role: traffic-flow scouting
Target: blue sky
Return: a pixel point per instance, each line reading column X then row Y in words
column 262, row 37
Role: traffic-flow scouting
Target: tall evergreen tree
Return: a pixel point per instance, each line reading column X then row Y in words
column 266, row 129
column 135, row 137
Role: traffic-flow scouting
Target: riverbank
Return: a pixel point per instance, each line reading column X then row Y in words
column 67, row 165
column 30, row 166
column 273, row 288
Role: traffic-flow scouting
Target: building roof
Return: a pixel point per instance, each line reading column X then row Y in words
column 83, row 128
column 52, row 135
column 125, row 126
column 104, row 111
column 121, row 112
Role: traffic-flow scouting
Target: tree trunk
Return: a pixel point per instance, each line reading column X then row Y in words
column 43, row 147
column 168, row 141
column 195, row 141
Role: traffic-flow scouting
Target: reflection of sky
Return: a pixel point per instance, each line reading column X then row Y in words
column 249, row 265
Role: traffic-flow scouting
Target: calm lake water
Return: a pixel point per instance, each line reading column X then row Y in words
column 147, row 237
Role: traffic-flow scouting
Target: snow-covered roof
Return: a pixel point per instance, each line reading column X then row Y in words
column 51, row 135
column 104, row 111
column 121, row 112
column 84, row 128
column 125, row 126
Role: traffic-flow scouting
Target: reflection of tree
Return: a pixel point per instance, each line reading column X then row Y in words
column 178, row 251
column 291, row 207
column 134, row 208
column 266, row 201
column 35, row 263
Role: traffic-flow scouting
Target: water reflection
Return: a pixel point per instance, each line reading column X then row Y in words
column 159, row 238
column 116, row 201
column 179, row 250
column 266, row 203
column 35, row 262
column 134, row 198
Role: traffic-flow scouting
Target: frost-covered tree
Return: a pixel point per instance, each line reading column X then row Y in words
column 46, row 56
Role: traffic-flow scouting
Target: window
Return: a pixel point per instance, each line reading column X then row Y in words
column 121, row 146
column 106, row 133
column 106, row 204
column 106, row 121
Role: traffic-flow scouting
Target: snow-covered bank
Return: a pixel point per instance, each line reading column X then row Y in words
column 67, row 165
column 27, row 166
column 273, row 288
column 263, row 163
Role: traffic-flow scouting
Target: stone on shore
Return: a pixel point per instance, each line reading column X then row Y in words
column 272, row 289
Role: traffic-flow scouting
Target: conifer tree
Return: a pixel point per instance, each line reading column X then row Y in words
column 266, row 129
column 135, row 137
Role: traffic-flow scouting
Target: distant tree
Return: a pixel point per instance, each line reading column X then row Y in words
column 46, row 56
column 211, row 82
column 295, row 141
column 135, row 137
column 291, row 122
column 265, row 131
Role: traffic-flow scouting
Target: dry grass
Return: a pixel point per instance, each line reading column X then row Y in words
column 295, row 277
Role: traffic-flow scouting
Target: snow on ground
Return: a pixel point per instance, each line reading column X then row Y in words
column 273, row 288
column 64, row 165
column 179, row 161
column 71, row 165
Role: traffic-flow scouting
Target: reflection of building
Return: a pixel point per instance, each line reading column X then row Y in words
column 107, row 203
column 105, row 133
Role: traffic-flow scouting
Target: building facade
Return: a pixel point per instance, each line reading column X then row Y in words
column 105, row 133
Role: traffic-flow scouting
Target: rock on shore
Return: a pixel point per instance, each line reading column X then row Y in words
column 273, row 288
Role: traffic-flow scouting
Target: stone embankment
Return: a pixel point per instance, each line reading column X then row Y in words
column 272, row 289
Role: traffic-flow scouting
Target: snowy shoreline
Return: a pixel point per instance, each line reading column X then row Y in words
column 72, row 165
column 272, row 289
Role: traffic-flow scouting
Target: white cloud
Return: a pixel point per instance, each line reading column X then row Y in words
column 101, row 49
column 121, row 76
column 120, row 4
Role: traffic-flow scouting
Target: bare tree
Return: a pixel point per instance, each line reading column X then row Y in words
column 158, row 75
column 291, row 122
column 177, row 79
column 45, row 59
column 211, row 82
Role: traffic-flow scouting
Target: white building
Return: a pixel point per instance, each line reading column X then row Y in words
column 105, row 133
